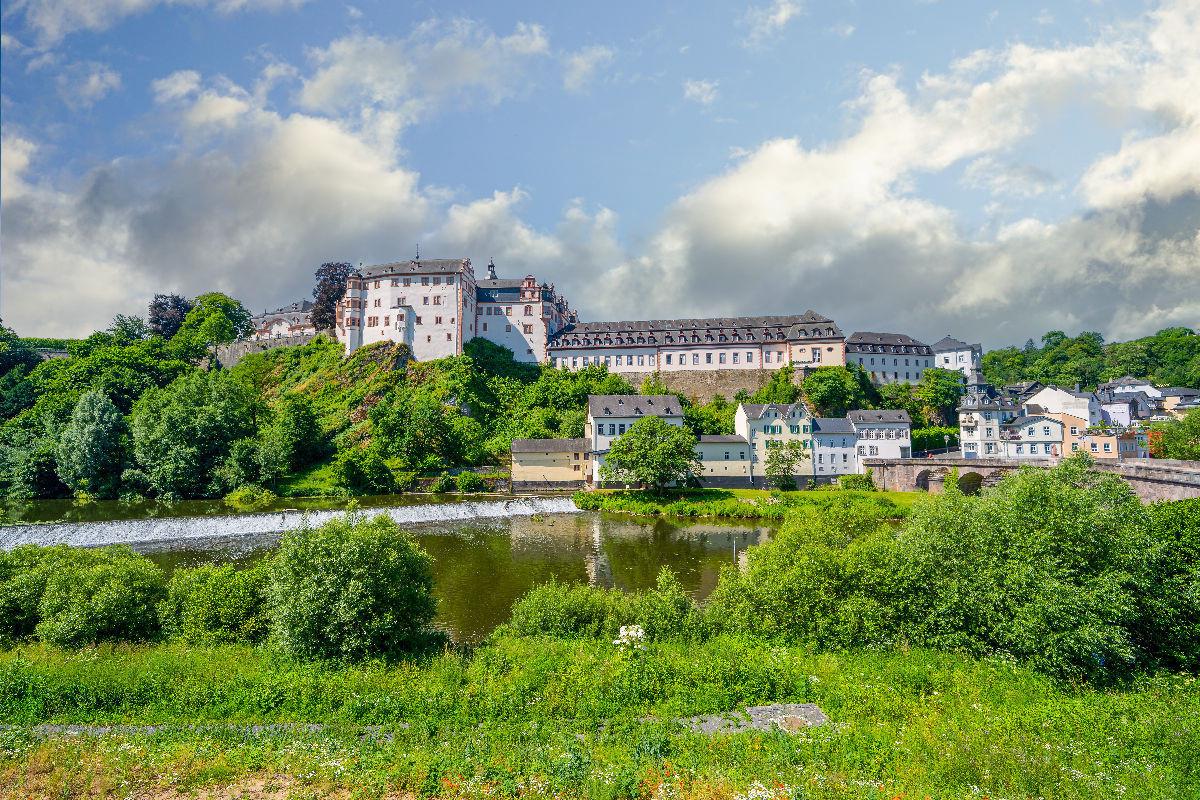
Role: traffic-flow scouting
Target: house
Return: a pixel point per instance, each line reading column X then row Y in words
column 293, row 320
column 770, row 425
column 724, row 461
column 669, row 345
column 611, row 415
column 435, row 306
column 981, row 412
column 889, row 357
column 834, row 448
column 1175, row 396
column 550, row 463
column 950, row 353
column 1033, row 436
column 882, row 433
column 1022, row 391
column 1056, row 400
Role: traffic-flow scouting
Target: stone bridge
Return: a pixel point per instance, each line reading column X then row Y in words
column 1150, row 479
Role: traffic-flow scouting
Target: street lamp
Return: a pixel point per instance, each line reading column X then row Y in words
column 946, row 439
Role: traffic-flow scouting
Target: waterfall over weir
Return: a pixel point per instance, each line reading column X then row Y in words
column 170, row 529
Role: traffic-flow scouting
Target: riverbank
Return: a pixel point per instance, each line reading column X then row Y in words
column 740, row 503
column 540, row 717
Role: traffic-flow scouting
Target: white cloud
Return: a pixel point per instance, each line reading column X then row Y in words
column 176, row 86
column 845, row 30
column 580, row 67
column 767, row 22
column 85, row 84
column 53, row 20
column 353, row 12
column 1007, row 179
column 701, row 91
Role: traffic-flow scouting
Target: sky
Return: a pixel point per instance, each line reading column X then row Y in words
column 986, row 170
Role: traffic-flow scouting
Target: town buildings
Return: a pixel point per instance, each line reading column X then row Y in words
column 551, row 463
column 293, row 320
column 950, row 353
column 889, row 357
column 611, row 415
column 436, row 306
column 882, row 433
column 770, row 425
column 668, row 345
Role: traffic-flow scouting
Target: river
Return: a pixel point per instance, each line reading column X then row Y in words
column 487, row 552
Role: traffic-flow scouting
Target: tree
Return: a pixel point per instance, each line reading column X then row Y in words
column 15, row 353
column 1177, row 438
column 415, row 428
column 126, row 330
column 352, row 589
column 215, row 319
column 835, row 390
column 779, row 388
column 331, row 286
column 783, row 464
column 91, row 450
column 902, row 397
column 651, row 452
column 166, row 314
column 940, row 390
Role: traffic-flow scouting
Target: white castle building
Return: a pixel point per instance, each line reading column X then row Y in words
column 435, row 306
column 293, row 320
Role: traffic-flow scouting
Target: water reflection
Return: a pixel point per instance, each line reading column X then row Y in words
column 482, row 567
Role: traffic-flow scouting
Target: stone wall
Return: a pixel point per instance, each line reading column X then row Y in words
column 230, row 354
column 703, row 384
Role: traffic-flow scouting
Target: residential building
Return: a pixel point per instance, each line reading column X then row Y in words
column 834, row 447
column 1057, row 400
column 882, row 433
column 1021, row 392
column 724, row 461
column 1123, row 409
column 1173, row 397
column 611, row 415
column 889, row 357
column 293, row 320
column 739, row 343
column 1035, row 436
column 436, row 306
column 770, row 425
column 551, row 463
column 950, row 353
column 981, row 413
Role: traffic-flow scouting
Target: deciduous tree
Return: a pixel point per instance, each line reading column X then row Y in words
column 91, row 451
column 330, row 287
column 651, row 452
column 166, row 314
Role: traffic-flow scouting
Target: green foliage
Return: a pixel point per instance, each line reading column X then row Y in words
column 250, row 496
column 833, row 391
column 214, row 319
column 858, row 483
column 295, row 433
column 1177, row 438
column 1168, row 628
column 723, row 503
column 182, row 434
column 17, row 352
column 106, row 595
column 468, row 481
column 24, row 571
column 214, row 604
column 902, row 396
column 779, row 388
column 933, row 438
column 939, row 392
column 363, row 472
column 91, row 450
column 351, row 589
column 651, row 452
column 444, row 483
column 783, row 464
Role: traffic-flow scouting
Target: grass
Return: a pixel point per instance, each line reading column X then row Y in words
column 316, row 480
column 739, row 503
column 522, row 717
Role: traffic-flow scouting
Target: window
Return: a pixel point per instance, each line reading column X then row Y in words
column 418, row 320
column 403, row 301
column 449, row 279
column 508, row 311
column 708, row 358
column 429, row 338
column 372, row 322
column 1045, row 430
column 721, row 358
column 1074, row 430
column 437, row 281
column 387, row 320
column 424, row 280
column 1019, row 451
column 574, row 362
column 735, row 357
column 749, row 358
column 425, row 300
column 1094, row 447
column 1074, row 446
column 767, row 357
column 695, row 358
column 378, row 302
column 640, row 361
column 575, row 467
column 726, row 455
column 621, row 428
column 437, row 320
column 668, row 358
column 437, row 300
column 485, row 327
column 449, row 337
column 529, row 311
column 1107, row 447
column 527, row 328
column 508, row 328
column 407, row 281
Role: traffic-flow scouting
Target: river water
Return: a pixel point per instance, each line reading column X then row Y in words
column 487, row 553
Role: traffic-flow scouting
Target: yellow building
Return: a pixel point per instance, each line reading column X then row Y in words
column 724, row 461
column 550, row 463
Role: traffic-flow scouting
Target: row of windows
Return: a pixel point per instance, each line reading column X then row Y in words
column 436, row 280
column 895, row 362
column 883, row 433
column 669, row 359
column 832, row 458
column 1033, row 449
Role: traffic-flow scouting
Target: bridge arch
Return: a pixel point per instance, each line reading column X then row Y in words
column 970, row 482
column 922, row 481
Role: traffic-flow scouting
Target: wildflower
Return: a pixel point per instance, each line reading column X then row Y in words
column 631, row 636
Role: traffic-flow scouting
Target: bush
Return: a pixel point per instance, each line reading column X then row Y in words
column 351, row 589
column 107, row 595
column 444, row 483
column 859, row 483
column 216, row 605
column 250, row 496
column 363, row 471
column 468, row 481
column 23, row 575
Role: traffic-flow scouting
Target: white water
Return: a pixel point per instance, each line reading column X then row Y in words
column 169, row 529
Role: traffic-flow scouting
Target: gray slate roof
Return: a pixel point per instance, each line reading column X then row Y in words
column 633, row 405
column 1017, row 422
column 722, row 439
column 756, row 410
column 550, row 445
column 748, row 330
column 1180, row 391
column 950, row 343
column 424, row 266
column 868, row 415
column 508, row 290
column 300, row 307
column 832, row 425
column 866, row 342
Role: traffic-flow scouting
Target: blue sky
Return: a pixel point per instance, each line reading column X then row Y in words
column 986, row 170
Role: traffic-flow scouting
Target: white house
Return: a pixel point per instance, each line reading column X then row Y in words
column 1034, row 436
column 724, row 461
column 610, row 415
column 950, row 353
column 889, row 357
column 981, row 413
column 834, row 447
column 770, row 425
column 293, row 320
column 1056, row 400
column 882, row 433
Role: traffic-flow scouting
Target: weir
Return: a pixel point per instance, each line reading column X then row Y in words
column 166, row 529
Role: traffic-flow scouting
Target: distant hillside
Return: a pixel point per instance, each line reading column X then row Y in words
column 1170, row 357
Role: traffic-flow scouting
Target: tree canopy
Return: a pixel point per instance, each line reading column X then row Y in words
column 652, row 452
column 329, row 289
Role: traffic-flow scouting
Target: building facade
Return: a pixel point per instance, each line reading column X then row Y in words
column 889, row 357
column 950, row 353
column 1036, row 436
column 834, row 447
column 724, row 461
column 739, row 343
column 436, row 306
column 293, row 320
column 770, row 425
column 882, row 433
column 550, row 463
column 981, row 413
column 611, row 415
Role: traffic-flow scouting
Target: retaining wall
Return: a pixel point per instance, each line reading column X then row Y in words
column 230, row 354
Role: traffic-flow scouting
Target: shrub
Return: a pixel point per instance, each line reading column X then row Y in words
column 351, row 589
column 108, row 595
column 250, row 496
column 1169, row 610
column 216, row 605
column 860, row 483
column 363, row 471
column 468, row 481
column 444, row 483
column 23, row 575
